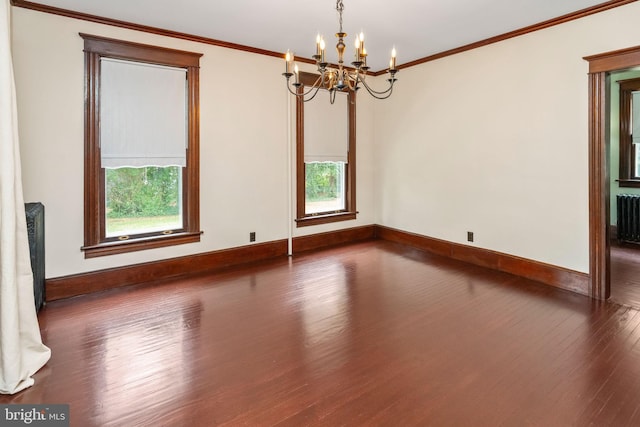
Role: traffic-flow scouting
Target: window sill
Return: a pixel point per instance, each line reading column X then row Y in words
column 112, row 248
column 635, row 183
column 325, row 218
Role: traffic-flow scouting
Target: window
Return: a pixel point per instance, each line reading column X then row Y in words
column 142, row 200
column 324, row 187
column 629, row 133
column 141, row 147
column 326, row 157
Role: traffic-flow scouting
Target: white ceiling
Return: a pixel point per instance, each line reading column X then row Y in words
column 417, row 28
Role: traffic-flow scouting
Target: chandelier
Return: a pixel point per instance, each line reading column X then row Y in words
column 340, row 78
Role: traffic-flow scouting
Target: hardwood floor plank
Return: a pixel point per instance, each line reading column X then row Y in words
column 371, row 334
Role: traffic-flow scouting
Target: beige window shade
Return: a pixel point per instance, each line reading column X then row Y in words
column 143, row 114
column 326, row 128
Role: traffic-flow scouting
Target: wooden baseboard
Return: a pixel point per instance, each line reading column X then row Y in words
column 332, row 238
column 548, row 274
column 95, row 281
column 102, row 280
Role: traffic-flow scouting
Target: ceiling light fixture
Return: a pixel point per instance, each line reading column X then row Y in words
column 333, row 79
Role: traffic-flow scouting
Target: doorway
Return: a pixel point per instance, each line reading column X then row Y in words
column 601, row 67
column 623, row 174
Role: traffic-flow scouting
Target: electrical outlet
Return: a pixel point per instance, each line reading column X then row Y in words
column 469, row 236
column 252, row 236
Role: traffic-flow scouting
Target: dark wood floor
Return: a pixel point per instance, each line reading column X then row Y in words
column 369, row 334
column 625, row 274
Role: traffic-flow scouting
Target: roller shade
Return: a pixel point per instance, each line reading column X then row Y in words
column 326, row 128
column 143, row 114
column 635, row 107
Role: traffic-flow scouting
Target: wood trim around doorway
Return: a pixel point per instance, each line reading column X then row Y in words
column 600, row 66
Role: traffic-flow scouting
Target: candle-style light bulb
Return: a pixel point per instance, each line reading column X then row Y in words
column 392, row 63
column 322, row 47
column 318, row 44
column 357, row 46
column 296, row 71
column 287, row 62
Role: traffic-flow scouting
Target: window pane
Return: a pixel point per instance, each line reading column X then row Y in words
column 324, row 187
column 143, row 200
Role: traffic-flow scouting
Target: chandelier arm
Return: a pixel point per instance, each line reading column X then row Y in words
column 360, row 78
column 317, row 83
column 290, row 91
column 313, row 89
column 332, row 96
column 317, row 89
column 352, row 82
column 379, row 95
column 371, row 90
column 295, row 92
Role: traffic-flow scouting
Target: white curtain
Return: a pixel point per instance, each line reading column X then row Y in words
column 21, row 350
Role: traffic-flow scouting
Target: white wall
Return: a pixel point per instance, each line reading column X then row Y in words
column 495, row 141
column 243, row 142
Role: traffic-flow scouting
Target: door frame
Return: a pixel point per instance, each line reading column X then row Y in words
column 600, row 66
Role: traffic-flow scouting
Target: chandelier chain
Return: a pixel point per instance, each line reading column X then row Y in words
column 340, row 8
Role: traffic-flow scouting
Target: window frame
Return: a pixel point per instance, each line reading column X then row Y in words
column 95, row 242
column 349, row 213
column 627, row 151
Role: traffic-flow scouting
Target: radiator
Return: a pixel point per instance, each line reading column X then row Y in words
column 35, row 230
column 628, row 218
